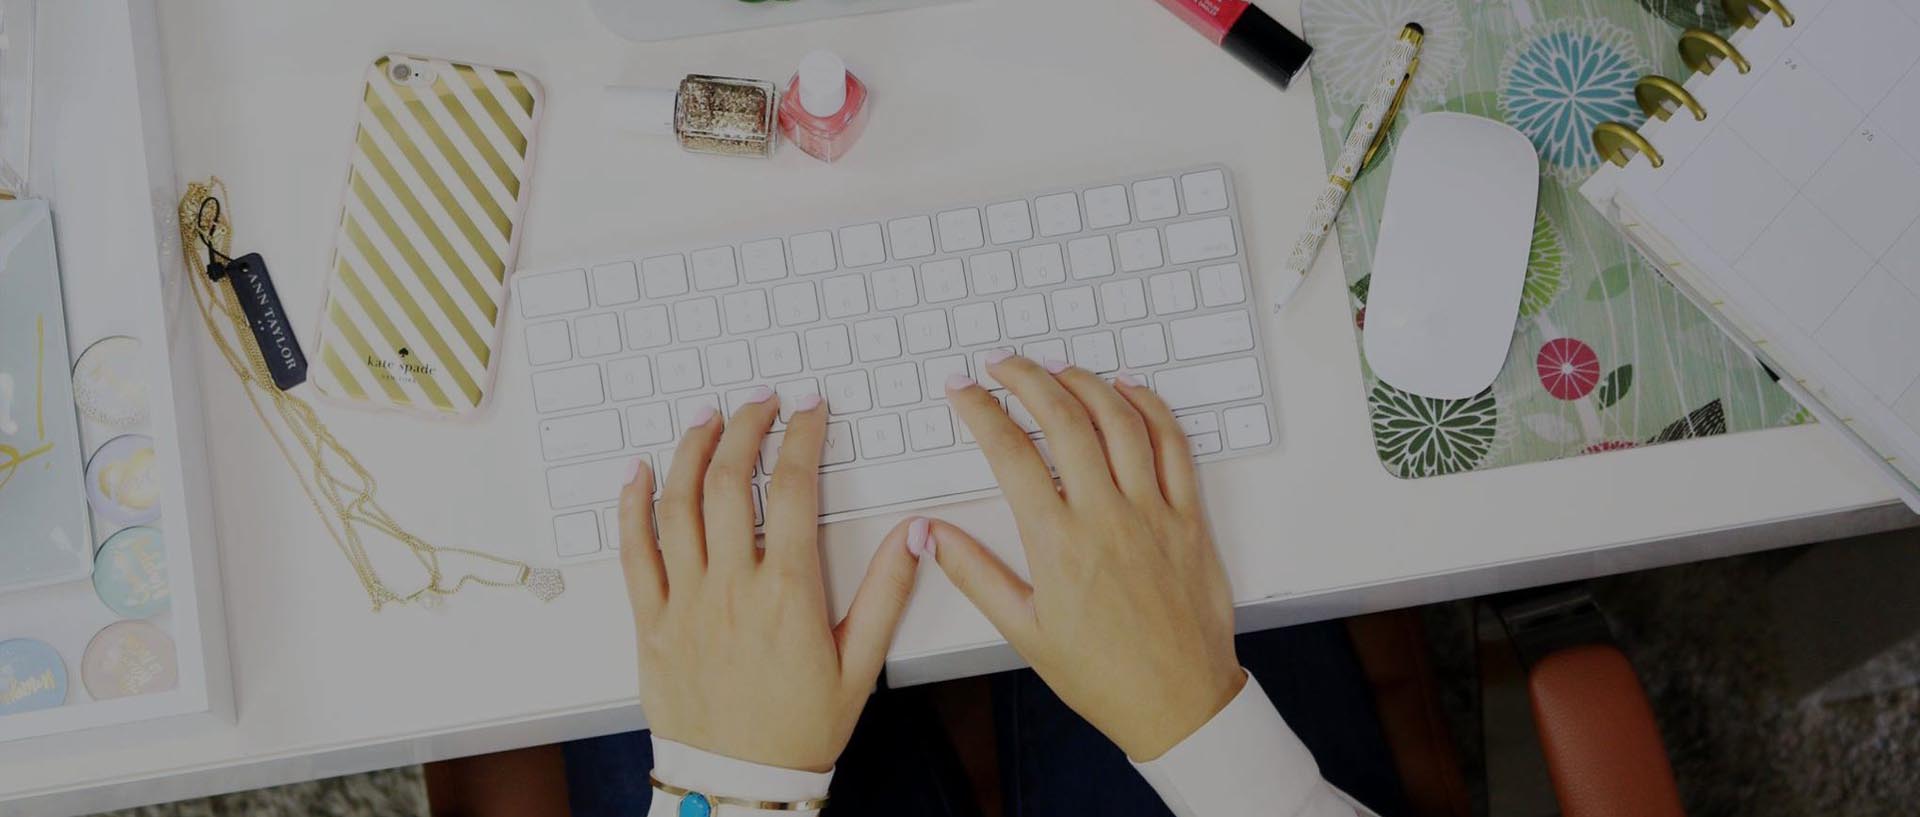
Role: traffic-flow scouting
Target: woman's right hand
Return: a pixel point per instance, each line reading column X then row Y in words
column 1129, row 616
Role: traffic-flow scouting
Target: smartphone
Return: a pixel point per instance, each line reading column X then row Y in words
column 436, row 197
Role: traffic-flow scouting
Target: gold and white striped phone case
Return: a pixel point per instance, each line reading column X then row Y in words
column 434, row 204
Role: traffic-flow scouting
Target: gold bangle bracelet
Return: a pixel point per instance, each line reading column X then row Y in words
column 739, row 802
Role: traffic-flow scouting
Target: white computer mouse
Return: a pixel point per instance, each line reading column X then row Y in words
column 1452, row 255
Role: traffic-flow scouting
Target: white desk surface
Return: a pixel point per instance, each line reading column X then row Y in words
column 973, row 100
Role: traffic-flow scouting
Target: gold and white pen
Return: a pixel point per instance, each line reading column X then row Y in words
column 1368, row 134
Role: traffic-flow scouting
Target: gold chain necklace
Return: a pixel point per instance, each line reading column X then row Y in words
column 345, row 502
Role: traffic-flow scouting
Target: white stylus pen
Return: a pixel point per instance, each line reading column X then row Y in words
column 1369, row 132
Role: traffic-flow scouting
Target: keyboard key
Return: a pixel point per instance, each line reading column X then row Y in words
column 1247, row 427
column 577, row 534
column 738, row 399
column 714, row 269
column 1059, row 214
column 553, row 293
column 1143, row 345
column 580, row 435
column 729, row 363
column 849, row 393
column 566, row 389
column 1123, row 300
column 837, row 448
column 893, row 288
column 629, row 378
column 590, row 483
column 1139, row 250
column 1045, row 350
column 1204, row 444
column 596, row 335
column 877, row 339
column 1209, row 335
column 812, row 253
column 926, row 332
column 1202, row 240
column 647, row 327
column 679, row 370
column 912, row 237
column 992, row 273
column 1199, row 423
column 1206, row 192
column 941, row 369
column 930, row 428
column 1090, row 257
column 897, row 385
column 1172, row 292
column 861, row 245
column 1026, row 315
column 665, row 276
column 696, row 319
column 615, row 284
column 1041, row 265
column 548, row 343
column 650, row 424
column 790, row 393
column 952, row 474
column 1208, row 383
column 960, row 230
column 945, row 280
column 1107, row 207
column 745, row 311
column 845, row 295
column 764, row 260
column 1220, row 285
column 1095, row 352
column 779, row 355
column 795, row 304
column 828, row 347
column 1155, row 199
column 1009, row 222
column 880, row 436
column 976, row 323
column 1073, row 309
column 687, row 408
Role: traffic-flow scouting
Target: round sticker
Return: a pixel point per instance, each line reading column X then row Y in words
column 107, row 385
column 121, row 484
column 32, row 676
column 130, row 573
column 129, row 658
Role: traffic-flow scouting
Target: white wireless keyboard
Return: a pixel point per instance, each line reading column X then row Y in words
column 1146, row 274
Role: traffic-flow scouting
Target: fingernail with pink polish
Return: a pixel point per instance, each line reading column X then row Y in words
column 1055, row 365
column 998, row 356
column 920, row 540
column 807, row 402
column 760, row 394
column 956, row 382
column 1130, row 379
column 701, row 417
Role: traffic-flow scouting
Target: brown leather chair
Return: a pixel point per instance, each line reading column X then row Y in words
column 1602, row 745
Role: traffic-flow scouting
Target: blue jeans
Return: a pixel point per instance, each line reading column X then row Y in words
column 1052, row 762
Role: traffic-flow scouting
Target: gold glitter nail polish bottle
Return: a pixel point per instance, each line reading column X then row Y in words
column 725, row 116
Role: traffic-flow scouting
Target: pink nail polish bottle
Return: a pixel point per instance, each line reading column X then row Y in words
column 824, row 110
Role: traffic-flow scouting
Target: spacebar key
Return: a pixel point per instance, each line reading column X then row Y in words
column 895, row 483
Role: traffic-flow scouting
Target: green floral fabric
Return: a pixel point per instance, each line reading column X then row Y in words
column 1606, row 354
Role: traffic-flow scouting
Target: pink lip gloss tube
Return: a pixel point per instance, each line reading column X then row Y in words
column 1249, row 34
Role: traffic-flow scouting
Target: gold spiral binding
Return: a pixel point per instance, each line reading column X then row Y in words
column 1611, row 140
column 1654, row 91
column 1698, row 47
column 1741, row 12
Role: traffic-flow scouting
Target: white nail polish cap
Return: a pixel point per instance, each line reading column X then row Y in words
column 644, row 110
column 823, row 83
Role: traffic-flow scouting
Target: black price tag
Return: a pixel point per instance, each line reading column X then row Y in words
column 271, row 331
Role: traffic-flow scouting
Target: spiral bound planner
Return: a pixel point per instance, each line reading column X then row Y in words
column 1779, row 187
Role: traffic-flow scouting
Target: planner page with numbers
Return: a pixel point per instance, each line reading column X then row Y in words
column 1792, row 210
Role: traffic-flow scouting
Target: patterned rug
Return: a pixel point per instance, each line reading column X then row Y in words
column 1606, row 355
column 392, row 793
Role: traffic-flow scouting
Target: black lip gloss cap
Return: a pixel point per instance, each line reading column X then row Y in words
column 1267, row 46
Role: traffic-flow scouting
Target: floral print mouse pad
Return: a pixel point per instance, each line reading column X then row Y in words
column 1606, row 355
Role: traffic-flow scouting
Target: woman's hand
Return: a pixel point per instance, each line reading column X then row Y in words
column 737, row 655
column 1129, row 617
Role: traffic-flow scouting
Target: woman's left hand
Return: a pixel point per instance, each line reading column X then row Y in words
column 737, row 654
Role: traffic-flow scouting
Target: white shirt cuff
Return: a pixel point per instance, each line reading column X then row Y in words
column 681, row 765
column 1245, row 761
